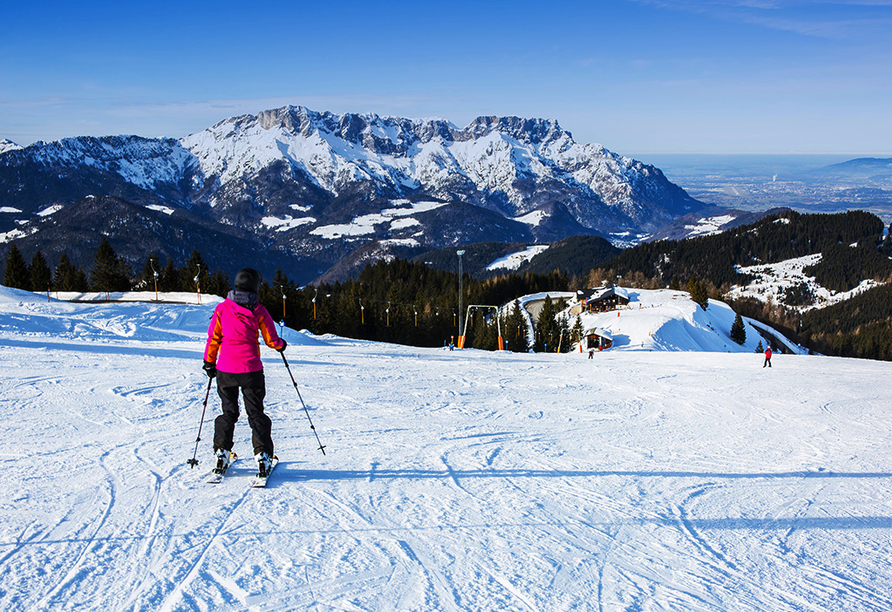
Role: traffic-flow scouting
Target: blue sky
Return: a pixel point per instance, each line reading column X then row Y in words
column 643, row 76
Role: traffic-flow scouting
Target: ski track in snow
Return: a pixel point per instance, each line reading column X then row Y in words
column 453, row 481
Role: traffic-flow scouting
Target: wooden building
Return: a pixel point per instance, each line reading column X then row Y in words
column 598, row 339
column 602, row 300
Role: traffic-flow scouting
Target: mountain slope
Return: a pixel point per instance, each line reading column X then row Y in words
column 319, row 185
column 508, row 164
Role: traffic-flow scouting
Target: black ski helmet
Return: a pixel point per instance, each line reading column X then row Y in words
column 248, row 279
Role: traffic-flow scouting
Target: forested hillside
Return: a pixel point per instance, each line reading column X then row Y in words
column 404, row 302
column 573, row 256
column 853, row 248
column 852, row 243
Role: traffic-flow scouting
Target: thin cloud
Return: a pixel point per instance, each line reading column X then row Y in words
column 796, row 17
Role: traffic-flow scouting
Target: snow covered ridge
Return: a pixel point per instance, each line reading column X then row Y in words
column 490, row 155
column 773, row 280
column 515, row 260
column 451, row 481
column 144, row 162
column 7, row 145
column 399, row 218
column 710, row 226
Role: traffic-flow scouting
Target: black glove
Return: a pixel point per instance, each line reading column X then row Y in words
column 284, row 344
column 210, row 369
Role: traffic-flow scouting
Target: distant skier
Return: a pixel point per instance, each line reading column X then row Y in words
column 767, row 357
column 232, row 354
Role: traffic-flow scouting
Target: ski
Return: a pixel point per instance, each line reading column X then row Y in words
column 216, row 477
column 260, row 481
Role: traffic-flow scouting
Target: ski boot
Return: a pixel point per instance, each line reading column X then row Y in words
column 224, row 460
column 264, row 464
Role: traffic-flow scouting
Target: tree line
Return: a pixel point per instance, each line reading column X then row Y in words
column 410, row 303
column 391, row 301
column 111, row 273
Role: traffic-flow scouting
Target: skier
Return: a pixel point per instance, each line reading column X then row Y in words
column 767, row 357
column 232, row 355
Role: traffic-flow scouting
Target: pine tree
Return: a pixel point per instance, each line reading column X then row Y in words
column 698, row 292
column 547, row 328
column 16, row 274
column 219, row 283
column 563, row 344
column 516, row 330
column 169, row 279
column 110, row 272
column 41, row 277
column 738, row 331
column 63, row 274
column 577, row 331
column 760, row 348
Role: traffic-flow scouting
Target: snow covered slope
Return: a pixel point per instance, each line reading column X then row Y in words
column 772, row 281
column 453, row 480
column 666, row 320
column 661, row 320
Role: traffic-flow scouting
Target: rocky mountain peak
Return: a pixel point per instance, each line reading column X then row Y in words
column 7, row 145
column 532, row 131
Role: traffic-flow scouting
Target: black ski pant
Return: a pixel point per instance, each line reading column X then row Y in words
column 253, row 388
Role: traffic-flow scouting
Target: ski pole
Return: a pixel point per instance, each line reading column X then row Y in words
column 321, row 447
column 193, row 461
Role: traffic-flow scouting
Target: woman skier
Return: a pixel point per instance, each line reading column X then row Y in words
column 232, row 354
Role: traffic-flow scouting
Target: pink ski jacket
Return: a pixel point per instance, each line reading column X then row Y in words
column 232, row 337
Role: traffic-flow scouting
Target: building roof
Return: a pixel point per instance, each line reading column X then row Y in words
column 599, row 331
column 594, row 295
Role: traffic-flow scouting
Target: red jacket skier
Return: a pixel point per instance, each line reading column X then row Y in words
column 232, row 354
column 767, row 357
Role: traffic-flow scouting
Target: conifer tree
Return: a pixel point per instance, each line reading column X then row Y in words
column 16, row 274
column 219, row 283
column 577, row 332
column 63, row 274
column 110, row 272
column 68, row 277
column 547, row 328
column 698, row 292
column 41, row 277
column 738, row 331
column 169, row 279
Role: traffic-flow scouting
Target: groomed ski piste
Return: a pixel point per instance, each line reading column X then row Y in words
column 666, row 473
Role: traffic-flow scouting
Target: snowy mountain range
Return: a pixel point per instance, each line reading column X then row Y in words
column 316, row 186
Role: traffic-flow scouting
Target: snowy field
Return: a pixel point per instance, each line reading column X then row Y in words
column 466, row 480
